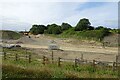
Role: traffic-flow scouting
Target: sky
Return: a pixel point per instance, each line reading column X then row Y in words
column 22, row 14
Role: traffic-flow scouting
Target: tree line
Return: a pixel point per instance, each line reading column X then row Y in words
column 50, row 29
column 83, row 27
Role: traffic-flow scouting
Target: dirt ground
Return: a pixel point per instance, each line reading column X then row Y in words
column 71, row 48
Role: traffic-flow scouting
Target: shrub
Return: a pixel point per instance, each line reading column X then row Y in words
column 37, row 29
column 70, row 31
column 65, row 26
column 54, row 29
column 83, row 24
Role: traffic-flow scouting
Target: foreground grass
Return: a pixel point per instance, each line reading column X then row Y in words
column 23, row 69
column 35, row 69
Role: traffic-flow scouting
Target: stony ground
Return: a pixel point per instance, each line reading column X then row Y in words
column 72, row 48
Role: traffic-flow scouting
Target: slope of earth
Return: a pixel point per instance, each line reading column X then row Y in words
column 112, row 40
column 9, row 35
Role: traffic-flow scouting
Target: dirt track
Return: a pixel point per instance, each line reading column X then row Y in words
column 93, row 51
column 43, row 42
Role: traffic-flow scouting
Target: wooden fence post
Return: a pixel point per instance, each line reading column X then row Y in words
column 59, row 62
column 26, row 55
column 113, row 66
column 29, row 58
column 52, row 57
column 4, row 55
column 76, row 62
column 116, row 60
column 93, row 65
column 43, row 60
column 117, row 66
column 103, row 44
column 16, row 57
column 46, row 60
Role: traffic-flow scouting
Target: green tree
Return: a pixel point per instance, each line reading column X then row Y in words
column 99, row 27
column 65, row 26
column 104, row 32
column 83, row 24
column 37, row 29
column 118, row 31
column 90, row 28
column 54, row 29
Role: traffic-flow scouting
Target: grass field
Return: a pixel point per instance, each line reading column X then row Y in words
column 23, row 69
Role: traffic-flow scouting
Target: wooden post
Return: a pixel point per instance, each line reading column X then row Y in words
column 3, row 50
column 26, row 57
column 46, row 60
column 29, row 58
column 52, row 57
column 93, row 65
column 16, row 57
column 117, row 66
column 76, row 62
column 26, row 53
column 113, row 66
column 4, row 55
column 116, row 60
column 59, row 62
column 43, row 60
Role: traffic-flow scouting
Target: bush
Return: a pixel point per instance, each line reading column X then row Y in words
column 83, row 24
column 90, row 34
column 54, row 29
column 37, row 29
column 65, row 26
column 97, row 34
column 69, row 32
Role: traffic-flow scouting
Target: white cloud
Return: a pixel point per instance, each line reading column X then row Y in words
column 54, row 12
column 105, row 15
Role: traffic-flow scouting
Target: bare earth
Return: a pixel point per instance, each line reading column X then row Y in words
column 71, row 48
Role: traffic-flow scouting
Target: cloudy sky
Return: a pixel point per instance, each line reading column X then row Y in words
column 20, row 15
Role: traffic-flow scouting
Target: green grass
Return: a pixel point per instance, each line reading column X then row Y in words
column 23, row 69
column 6, row 34
column 67, row 70
column 96, row 35
column 12, row 71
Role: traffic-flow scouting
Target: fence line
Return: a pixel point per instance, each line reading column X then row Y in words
column 60, row 60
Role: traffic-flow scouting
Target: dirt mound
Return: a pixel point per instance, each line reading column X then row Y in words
column 9, row 35
column 112, row 40
column 26, row 40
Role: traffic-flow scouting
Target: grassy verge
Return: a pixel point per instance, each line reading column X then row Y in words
column 6, row 34
column 23, row 69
